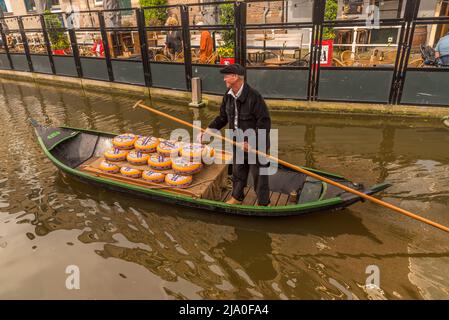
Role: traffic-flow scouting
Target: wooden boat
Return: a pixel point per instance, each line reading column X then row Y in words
column 74, row 151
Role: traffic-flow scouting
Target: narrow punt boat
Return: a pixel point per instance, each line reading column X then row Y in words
column 75, row 151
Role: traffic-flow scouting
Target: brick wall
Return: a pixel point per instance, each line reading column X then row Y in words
column 255, row 12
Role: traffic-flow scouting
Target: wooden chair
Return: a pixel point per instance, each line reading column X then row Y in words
column 416, row 63
column 161, row 57
column 390, row 56
column 213, row 57
column 251, row 58
column 338, row 63
column 347, row 57
column 194, row 54
column 179, row 56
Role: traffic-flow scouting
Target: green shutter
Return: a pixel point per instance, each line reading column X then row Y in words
column 124, row 4
column 3, row 6
column 30, row 5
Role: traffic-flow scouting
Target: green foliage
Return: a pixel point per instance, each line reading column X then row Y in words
column 330, row 14
column 226, row 52
column 58, row 38
column 154, row 17
column 227, row 36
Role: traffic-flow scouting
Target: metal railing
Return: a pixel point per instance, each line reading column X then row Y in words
column 307, row 80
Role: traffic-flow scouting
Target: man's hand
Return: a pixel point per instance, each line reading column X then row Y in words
column 245, row 146
column 199, row 137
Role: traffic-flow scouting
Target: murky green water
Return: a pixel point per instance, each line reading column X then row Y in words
column 127, row 248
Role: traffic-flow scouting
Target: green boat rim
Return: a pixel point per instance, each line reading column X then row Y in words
column 300, row 207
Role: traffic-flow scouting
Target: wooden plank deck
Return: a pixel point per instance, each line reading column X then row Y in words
column 250, row 199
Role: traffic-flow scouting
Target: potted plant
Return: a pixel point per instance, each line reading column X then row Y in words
column 226, row 55
column 226, row 51
column 157, row 16
column 58, row 39
column 61, row 46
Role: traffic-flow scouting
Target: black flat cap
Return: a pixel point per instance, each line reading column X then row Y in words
column 233, row 69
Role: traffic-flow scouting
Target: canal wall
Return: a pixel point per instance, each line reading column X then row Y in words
column 434, row 112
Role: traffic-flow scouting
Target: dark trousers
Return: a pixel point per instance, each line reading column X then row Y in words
column 444, row 60
column 240, row 179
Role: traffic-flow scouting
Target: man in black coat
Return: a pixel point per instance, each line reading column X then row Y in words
column 244, row 109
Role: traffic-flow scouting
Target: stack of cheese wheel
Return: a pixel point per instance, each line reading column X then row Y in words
column 153, row 176
column 168, row 148
column 178, row 181
column 137, row 158
column 125, row 141
column 197, row 152
column 158, row 162
column 109, row 167
column 184, row 166
column 146, row 144
column 130, row 172
column 115, row 154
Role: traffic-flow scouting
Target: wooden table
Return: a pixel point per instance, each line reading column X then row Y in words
column 372, row 63
column 264, row 39
column 278, row 62
column 131, row 56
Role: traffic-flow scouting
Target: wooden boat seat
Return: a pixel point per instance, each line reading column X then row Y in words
column 311, row 190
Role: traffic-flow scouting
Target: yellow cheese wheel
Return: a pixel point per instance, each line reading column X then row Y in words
column 146, row 144
column 115, row 154
column 109, row 167
column 184, row 166
column 137, row 157
column 153, row 176
column 197, row 152
column 179, row 181
column 125, row 141
column 168, row 148
column 158, row 162
column 130, row 172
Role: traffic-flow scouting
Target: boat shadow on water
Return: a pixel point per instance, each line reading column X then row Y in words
column 328, row 223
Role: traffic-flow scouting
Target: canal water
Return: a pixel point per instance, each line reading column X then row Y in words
column 129, row 248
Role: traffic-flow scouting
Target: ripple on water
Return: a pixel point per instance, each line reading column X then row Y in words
column 192, row 254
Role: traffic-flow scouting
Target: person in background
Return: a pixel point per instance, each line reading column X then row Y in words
column 173, row 41
column 98, row 48
column 442, row 50
column 206, row 43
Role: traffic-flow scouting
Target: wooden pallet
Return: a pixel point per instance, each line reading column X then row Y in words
column 207, row 184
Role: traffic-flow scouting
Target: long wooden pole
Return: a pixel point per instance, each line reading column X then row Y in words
column 302, row 170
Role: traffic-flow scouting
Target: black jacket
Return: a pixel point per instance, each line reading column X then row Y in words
column 252, row 112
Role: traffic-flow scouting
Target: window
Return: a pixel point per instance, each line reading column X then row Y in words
column 353, row 6
column 125, row 4
column 5, row 5
column 30, row 5
column 98, row 3
column 54, row 5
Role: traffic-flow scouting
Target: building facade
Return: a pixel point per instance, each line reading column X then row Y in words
column 23, row 7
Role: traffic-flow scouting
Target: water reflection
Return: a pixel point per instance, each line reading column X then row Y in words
column 195, row 254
